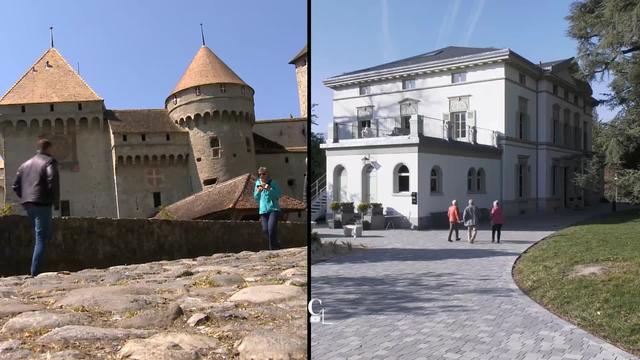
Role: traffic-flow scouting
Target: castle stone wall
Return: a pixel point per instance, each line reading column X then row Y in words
column 80, row 243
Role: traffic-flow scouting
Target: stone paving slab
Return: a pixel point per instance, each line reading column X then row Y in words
column 413, row 295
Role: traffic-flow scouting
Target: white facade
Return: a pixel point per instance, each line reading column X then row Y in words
column 491, row 110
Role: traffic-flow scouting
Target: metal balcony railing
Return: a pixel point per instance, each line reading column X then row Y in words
column 350, row 129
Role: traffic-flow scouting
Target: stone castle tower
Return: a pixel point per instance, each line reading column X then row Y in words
column 300, row 61
column 216, row 107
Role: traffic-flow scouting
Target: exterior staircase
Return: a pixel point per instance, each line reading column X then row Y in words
column 319, row 198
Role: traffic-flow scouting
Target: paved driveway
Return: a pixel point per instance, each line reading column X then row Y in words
column 413, row 295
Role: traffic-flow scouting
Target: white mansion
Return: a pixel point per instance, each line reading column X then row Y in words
column 459, row 123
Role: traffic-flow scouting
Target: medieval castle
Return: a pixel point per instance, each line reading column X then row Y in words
column 130, row 163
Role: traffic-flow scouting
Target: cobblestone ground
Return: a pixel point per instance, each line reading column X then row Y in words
column 413, row 295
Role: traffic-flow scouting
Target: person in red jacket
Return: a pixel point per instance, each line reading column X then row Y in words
column 454, row 219
column 496, row 220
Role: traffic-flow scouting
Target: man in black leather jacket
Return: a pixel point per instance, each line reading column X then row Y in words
column 37, row 185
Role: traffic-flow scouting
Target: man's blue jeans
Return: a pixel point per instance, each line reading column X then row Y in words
column 41, row 221
column 270, row 229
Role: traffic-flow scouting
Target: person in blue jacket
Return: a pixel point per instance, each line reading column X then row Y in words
column 267, row 194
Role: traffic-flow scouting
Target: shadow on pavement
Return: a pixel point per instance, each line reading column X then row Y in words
column 415, row 294
column 373, row 255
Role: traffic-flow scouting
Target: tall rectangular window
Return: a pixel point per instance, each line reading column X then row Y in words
column 408, row 84
column 124, row 138
column 556, row 123
column 144, row 137
column 522, row 78
column 157, row 199
column 521, row 169
column 460, row 125
column 555, row 89
column 458, row 77
column 65, row 208
column 522, row 118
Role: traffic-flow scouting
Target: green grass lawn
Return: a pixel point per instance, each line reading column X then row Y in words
column 606, row 305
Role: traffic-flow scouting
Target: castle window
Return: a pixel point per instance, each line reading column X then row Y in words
column 291, row 182
column 157, row 199
column 223, row 89
column 242, row 90
column 214, row 143
column 286, row 159
column 175, row 100
column 79, row 106
column 23, row 108
column 124, row 138
column 144, row 137
column 168, row 137
column 65, row 208
column 51, row 107
column 210, row 181
column 198, row 159
column 248, row 142
column 197, row 90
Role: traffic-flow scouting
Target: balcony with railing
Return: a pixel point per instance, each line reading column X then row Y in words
column 358, row 131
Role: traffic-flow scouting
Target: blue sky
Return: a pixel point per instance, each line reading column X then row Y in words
column 349, row 35
column 132, row 53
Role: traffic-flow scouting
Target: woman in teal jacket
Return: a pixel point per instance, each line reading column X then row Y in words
column 267, row 194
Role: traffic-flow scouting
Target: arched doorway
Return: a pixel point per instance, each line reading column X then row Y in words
column 340, row 184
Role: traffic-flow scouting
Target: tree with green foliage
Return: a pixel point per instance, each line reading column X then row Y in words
column 316, row 154
column 608, row 35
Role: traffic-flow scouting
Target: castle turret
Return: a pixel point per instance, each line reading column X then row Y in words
column 300, row 62
column 217, row 108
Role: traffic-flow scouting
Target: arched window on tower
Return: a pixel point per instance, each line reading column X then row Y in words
column 243, row 91
column 197, row 90
column 175, row 100
column 223, row 89
column 214, row 143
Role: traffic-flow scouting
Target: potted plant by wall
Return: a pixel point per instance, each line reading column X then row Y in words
column 375, row 221
column 363, row 208
column 335, row 223
column 346, row 213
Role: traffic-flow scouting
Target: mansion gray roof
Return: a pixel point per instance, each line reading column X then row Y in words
column 449, row 52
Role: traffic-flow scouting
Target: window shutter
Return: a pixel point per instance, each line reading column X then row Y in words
column 446, row 125
column 471, row 119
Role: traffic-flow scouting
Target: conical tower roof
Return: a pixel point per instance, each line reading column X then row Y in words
column 51, row 79
column 207, row 68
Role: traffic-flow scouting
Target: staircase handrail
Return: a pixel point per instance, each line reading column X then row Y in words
column 318, row 187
